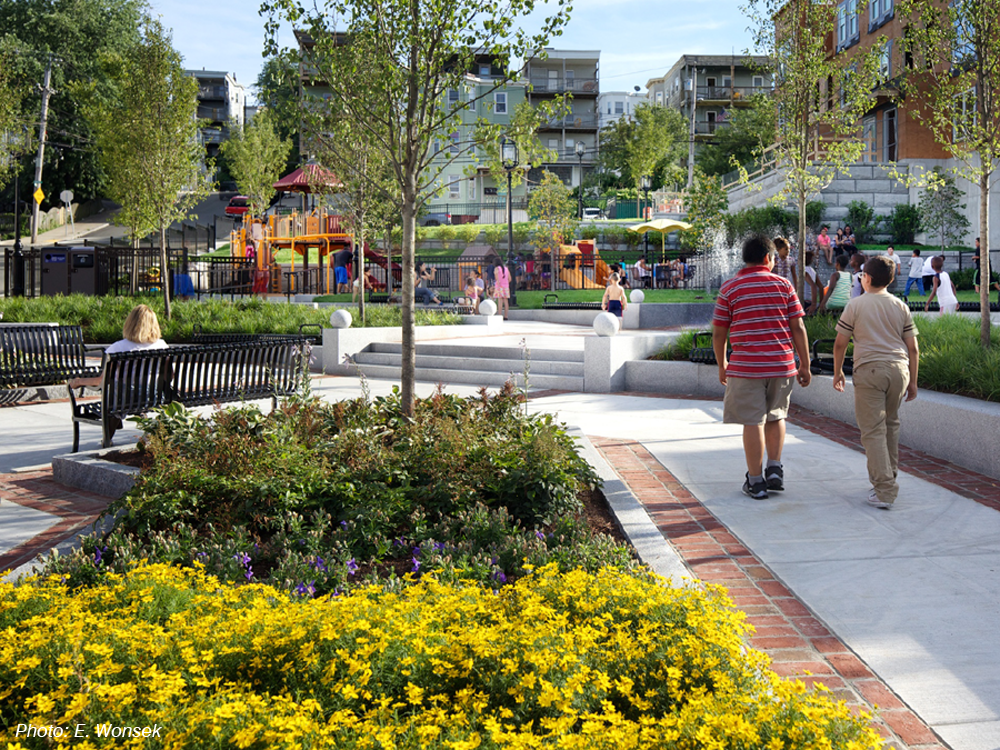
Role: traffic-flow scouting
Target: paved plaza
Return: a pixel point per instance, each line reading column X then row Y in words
column 896, row 610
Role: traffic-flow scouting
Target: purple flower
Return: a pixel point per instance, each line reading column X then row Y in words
column 99, row 553
column 305, row 590
column 499, row 576
column 319, row 564
column 540, row 535
column 416, row 565
column 439, row 546
column 344, row 524
column 352, row 567
column 243, row 558
column 416, row 551
column 249, row 574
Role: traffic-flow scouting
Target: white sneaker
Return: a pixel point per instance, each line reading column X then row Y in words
column 876, row 503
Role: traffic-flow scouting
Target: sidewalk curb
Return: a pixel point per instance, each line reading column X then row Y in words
column 633, row 519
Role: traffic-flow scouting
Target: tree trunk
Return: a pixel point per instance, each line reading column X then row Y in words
column 984, row 258
column 164, row 271
column 409, row 362
column 361, row 268
column 800, row 264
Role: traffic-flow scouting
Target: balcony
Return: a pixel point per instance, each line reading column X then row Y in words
column 709, row 128
column 578, row 86
column 212, row 92
column 586, row 121
column 729, row 93
column 214, row 114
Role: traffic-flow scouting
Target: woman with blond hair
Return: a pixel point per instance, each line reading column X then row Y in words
column 141, row 331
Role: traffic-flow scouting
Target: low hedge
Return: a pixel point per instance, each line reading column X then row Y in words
column 102, row 317
column 569, row 660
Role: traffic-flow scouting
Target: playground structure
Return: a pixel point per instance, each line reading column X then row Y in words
column 577, row 257
column 314, row 237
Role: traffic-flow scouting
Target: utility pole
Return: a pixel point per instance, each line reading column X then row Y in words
column 694, row 105
column 46, row 92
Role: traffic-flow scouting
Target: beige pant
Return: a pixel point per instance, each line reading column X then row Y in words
column 879, row 388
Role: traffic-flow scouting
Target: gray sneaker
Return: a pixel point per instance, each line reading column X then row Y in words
column 876, row 503
column 775, row 478
column 757, row 490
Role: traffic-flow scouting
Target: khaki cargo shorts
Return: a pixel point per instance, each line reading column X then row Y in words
column 756, row 400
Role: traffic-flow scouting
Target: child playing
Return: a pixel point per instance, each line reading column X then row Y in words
column 471, row 297
column 916, row 274
column 838, row 290
column 885, row 370
column 614, row 297
column 943, row 288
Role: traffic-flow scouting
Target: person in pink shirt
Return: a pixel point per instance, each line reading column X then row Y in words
column 825, row 244
column 501, row 288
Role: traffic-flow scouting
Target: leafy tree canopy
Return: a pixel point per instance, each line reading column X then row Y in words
column 256, row 154
column 652, row 141
column 76, row 33
column 739, row 143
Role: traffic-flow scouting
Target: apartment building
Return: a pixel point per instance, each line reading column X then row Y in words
column 573, row 137
column 614, row 105
column 220, row 99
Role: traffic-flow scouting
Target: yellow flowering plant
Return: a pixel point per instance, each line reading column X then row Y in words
column 558, row 659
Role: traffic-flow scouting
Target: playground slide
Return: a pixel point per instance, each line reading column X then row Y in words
column 575, row 278
column 602, row 273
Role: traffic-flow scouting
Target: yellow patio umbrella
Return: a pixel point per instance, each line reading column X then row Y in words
column 664, row 227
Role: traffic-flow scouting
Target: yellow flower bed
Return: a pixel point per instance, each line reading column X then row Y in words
column 568, row 660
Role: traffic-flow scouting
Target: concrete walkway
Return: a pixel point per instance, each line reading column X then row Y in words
column 893, row 609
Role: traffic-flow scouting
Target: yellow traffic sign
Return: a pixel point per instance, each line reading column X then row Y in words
column 39, row 196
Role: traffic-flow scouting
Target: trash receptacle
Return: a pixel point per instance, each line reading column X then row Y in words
column 82, row 271
column 55, row 272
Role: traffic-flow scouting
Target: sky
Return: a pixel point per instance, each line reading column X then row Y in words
column 637, row 39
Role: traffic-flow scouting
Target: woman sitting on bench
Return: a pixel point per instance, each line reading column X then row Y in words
column 141, row 331
column 421, row 292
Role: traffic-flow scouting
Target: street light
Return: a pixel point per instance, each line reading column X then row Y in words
column 509, row 159
column 581, row 149
column 645, row 182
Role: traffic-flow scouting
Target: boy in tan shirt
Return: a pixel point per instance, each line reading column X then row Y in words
column 885, row 370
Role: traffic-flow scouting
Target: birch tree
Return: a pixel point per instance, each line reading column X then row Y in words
column 819, row 96
column 955, row 85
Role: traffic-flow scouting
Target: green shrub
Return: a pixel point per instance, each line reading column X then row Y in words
column 495, row 235
column 468, row 233
column 589, row 232
column 351, row 480
column 446, row 233
column 903, row 223
column 814, row 214
column 769, row 219
column 102, row 317
column 862, row 219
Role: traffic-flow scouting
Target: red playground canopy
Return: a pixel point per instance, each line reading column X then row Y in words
column 303, row 179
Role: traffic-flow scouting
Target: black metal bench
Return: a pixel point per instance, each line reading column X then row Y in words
column 701, row 354
column 36, row 354
column 314, row 337
column 136, row 382
column 821, row 358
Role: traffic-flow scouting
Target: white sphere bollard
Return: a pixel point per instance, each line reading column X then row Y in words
column 606, row 324
column 636, row 296
column 340, row 319
column 488, row 308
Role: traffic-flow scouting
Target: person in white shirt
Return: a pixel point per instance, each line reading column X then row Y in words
column 891, row 255
column 141, row 331
column 943, row 288
column 642, row 272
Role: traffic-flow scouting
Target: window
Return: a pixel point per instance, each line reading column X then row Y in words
column 880, row 12
column 569, row 146
column 454, row 187
column 659, row 97
column 609, row 107
column 885, row 62
column 965, row 49
column 966, row 116
column 870, row 153
column 620, row 107
column 570, row 79
column 829, row 92
column 452, row 97
column 554, row 144
column 889, row 133
column 847, row 24
column 758, row 82
column 484, row 71
column 500, row 103
column 454, row 142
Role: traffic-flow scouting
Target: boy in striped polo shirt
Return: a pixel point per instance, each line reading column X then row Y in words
column 759, row 313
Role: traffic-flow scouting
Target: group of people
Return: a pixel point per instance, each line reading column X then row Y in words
column 832, row 245
column 845, row 281
column 759, row 314
column 673, row 274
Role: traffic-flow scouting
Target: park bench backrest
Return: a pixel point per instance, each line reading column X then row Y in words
column 42, row 354
column 308, row 332
column 135, row 382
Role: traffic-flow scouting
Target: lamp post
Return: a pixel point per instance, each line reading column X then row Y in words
column 509, row 159
column 581, row 149
column 644, row 183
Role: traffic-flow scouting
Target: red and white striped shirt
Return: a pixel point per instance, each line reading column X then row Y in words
column 757, row 305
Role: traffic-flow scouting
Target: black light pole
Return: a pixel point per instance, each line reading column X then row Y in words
column 581, row 149
column 509, row 159
column 645, row 183
column 17, row 288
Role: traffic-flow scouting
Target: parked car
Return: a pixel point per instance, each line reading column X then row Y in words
column 593, row 214
column 435, row 219
column 238, row 206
